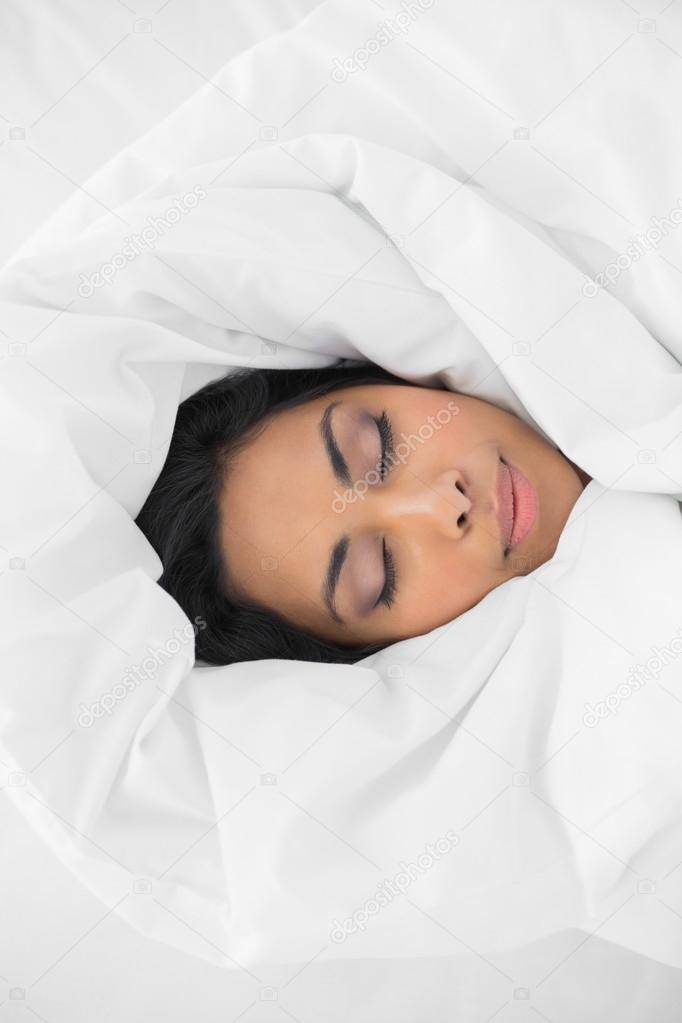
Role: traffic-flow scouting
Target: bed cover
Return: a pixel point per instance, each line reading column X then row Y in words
column 618, row 310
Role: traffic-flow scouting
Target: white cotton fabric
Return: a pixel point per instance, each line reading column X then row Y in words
column 245, row 813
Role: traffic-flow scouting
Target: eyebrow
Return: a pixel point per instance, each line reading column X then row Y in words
column 338, row 462
column 339, row 551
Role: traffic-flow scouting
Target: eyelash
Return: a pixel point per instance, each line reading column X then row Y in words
column 387, row 445
column 387, row 595
column 383, row 423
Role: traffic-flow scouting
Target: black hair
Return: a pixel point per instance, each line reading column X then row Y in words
column 180, row 516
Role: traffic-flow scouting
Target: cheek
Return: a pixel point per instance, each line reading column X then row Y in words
column 447, row 585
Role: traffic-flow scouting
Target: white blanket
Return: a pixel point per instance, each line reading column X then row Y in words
column 438, row 213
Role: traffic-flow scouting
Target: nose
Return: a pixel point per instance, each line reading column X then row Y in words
column 440, row 502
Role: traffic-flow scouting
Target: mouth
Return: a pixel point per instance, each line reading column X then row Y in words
column 517, row 506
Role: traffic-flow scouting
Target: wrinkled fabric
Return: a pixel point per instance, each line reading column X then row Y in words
column 439, row 214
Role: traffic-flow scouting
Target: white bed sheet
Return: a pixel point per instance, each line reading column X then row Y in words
column 82, row 79
column 63, row 956
column 206, row 340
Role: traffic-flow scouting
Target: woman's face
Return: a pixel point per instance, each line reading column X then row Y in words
column 380, row 512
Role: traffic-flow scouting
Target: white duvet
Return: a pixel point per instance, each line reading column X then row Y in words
column 471, row 201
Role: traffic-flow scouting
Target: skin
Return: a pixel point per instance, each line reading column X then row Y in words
column 283, row 510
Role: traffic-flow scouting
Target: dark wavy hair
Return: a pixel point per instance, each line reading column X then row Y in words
column 180, row 517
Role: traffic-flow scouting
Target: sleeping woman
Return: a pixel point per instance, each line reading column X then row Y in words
column 323, row 514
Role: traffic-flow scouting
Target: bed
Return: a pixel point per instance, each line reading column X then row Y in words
column 381, row 182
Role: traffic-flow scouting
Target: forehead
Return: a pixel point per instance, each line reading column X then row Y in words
column 275, row 505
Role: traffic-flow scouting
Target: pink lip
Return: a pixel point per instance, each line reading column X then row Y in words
column 517, row 505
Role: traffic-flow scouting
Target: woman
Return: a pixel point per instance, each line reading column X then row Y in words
column 324, row 514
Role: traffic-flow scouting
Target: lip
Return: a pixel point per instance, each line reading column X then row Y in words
column 517, row 505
